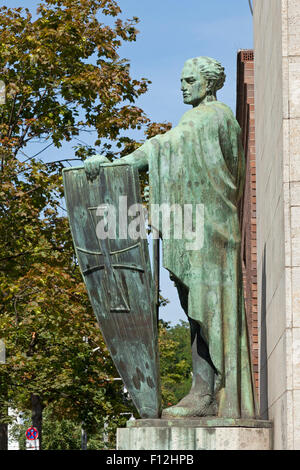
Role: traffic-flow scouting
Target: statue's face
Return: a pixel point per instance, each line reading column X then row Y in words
column 193, row 85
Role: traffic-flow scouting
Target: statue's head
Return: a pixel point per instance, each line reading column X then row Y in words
column 201, row 78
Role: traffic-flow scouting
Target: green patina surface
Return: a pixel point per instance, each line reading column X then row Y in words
column 201, row 161
column 117, row 275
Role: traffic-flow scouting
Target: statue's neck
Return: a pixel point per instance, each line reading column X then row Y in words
column 207, row 99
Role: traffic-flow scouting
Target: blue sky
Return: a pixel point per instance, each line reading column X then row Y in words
column 172, row 31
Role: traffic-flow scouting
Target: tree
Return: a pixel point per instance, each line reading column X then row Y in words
column 62, row 430
column 175, row 361
column 63, row 76
column 49, row 81
column 65, row 434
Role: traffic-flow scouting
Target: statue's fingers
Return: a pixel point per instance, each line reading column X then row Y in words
column 89, row 170
column 94, row 171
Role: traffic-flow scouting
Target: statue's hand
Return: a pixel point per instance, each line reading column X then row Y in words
column 92, row 165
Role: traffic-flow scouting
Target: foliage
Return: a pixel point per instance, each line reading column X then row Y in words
column 175, row 361
column 18, row 429
column 45, row 311
column 65, row 434
column 63, row 76
column 46, row 65
column 63, row 430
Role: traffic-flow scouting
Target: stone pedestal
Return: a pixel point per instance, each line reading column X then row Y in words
column 195, row 434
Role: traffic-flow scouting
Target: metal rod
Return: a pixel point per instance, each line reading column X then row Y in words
column 251, row 7
column 156, row 268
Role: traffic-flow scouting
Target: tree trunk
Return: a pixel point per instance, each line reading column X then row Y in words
column 37, row 415
column 3, row 436
column 3, row 415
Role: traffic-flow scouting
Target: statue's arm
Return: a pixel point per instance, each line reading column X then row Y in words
column 138, row 159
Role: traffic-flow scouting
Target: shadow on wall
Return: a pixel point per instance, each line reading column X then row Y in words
column 263, row 344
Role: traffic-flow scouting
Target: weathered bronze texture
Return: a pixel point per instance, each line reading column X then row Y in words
column 117, row 274
column 201, row 162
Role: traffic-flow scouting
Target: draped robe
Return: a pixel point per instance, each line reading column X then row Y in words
column 201, row 161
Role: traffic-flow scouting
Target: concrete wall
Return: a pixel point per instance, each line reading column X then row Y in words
column 277, row 116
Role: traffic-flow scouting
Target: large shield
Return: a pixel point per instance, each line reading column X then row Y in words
column 117, row 274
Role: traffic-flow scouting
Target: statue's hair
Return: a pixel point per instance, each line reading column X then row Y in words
column 213, row 72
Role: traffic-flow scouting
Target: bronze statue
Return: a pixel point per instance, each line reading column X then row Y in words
column 201, row 162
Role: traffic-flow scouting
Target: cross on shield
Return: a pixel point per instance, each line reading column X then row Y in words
column 117, row 274
column 119, row 301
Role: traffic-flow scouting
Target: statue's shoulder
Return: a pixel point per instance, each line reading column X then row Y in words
column 196, row 116
column 222, row 115
column 211, row 112
column 221, row 109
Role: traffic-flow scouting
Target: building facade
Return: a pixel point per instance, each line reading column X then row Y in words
column 245, row 115
column 277, row 138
